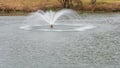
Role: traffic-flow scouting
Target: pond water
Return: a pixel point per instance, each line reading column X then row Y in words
column 94, row 48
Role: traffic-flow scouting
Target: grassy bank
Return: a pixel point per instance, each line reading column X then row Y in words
column 17, row 13
column 22, row 7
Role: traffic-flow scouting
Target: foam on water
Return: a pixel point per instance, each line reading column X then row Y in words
column 75, row 27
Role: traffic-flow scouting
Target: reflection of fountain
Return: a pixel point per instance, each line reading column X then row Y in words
column 52, row 18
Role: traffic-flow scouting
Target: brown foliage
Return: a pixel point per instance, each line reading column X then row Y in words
column 78, row 4
column 66, row 3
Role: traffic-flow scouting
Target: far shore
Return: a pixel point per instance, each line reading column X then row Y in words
column 24, row 7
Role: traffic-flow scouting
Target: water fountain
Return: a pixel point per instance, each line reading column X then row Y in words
column 55, row 21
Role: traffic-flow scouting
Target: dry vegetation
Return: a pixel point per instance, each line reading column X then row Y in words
column 33, row 5
column 24, row 5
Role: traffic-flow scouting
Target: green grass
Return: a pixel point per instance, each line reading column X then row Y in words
column 101, row 1
column 18, row 13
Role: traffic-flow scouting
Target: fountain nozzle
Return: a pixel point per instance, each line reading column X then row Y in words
column 51, row 26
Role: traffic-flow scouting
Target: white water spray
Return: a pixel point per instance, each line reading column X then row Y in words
column 51, row 18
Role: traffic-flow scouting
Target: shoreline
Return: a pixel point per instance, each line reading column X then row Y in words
column 100, row 7
column 22, row 13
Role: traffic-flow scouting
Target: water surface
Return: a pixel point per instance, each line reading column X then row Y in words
column 95, row 48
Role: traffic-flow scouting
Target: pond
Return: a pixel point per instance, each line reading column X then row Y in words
column 94, row 48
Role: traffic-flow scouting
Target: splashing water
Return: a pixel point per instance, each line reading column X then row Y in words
column 40, row 20
column 51, row 17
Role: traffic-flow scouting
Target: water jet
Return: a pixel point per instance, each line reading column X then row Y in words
column 63, row 20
